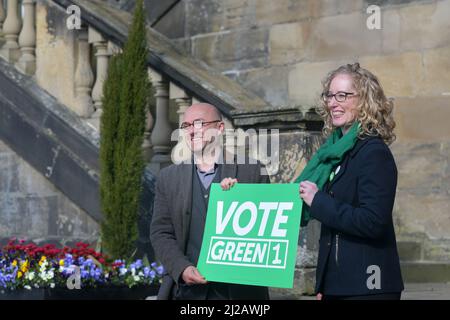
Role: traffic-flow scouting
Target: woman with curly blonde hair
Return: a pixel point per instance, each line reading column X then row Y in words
column 349, row 185
column 374, row 110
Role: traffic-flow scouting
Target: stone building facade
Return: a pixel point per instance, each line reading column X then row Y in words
column 279, row 51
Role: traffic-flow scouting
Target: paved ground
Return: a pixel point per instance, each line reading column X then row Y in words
column 419, row 291
column 426, row 291
column 413, row 291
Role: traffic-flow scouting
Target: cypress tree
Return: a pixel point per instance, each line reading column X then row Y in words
column 125, row 99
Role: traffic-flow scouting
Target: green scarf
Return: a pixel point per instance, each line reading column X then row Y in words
column 331, row 153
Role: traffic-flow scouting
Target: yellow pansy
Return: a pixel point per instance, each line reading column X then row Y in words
column 42, row 260
column 19, row 274
column 24, row 266
column 14, row 263
column 61, row 262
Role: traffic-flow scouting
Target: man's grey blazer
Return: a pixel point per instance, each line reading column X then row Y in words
column 172, row 214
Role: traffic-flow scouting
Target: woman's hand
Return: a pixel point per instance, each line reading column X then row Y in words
column 307, row 191
column 227, row 183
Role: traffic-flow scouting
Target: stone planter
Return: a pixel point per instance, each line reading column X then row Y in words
column 103, row 293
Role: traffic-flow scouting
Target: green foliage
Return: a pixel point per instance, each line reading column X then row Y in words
column 125, row 99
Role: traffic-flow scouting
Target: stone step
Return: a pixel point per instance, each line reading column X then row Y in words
column 409, row 250
column 425, row 271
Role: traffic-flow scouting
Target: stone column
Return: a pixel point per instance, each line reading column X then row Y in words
column 84, row 77
column 102, row 55
column 162, row 131
column 27, row 39
column 11, row 28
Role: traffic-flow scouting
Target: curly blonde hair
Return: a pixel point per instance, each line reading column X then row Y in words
column 374, row 110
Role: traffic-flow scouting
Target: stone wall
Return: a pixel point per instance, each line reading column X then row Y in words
column 32, row 208
column 282, row 49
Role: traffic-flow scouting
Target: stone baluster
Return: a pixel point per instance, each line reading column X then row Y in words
column 147, row 145
column 182, row 100
column 11, row 28
column 102, row 54
column 2, row 18
column 114, row 49
column 161, row 133
column 27, row 39
column 84, row 77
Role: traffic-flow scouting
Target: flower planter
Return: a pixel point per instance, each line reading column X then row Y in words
column 103, row 293
column 29, row 266
column 23, row 294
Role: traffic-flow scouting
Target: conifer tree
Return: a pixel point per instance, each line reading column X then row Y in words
column 125, row 99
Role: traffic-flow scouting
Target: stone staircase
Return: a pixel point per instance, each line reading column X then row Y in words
column 50, row 127
column 50, row 102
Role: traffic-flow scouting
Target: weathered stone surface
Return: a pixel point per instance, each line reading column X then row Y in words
column 420, row 167
column 217, row 15
column 270, row 84
column 305, row 81
column 422, row 199
column 324, row 8
column 437, row 250
column 409, row 250
column 172, row 23
column 282, row 11
column 425, row 26
column 31, row 207
column 401, row 75
column 425, row 271
column 203, row 17
column 436, row 80
column 55, row 54
column 390, row 3
column 391, row 31
column 242, row 49
column 288, row 42
column 304, row 283
column 344, row 36
column 296, row 148
column 184, row 44
column 422, row 119
column 206, row 83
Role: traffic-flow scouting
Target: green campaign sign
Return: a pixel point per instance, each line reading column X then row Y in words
column 251, row 235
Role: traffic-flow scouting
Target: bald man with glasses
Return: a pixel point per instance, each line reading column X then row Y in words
column 181, row 204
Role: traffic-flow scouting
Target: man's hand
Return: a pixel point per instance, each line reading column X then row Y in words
column 191, row 276
column 307, row 191
column 227, row 183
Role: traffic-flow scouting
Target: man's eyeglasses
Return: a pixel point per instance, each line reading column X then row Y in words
column 198, row 124
column 340, row 96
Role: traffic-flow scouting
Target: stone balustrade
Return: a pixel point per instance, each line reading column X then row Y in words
column 92, row 52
